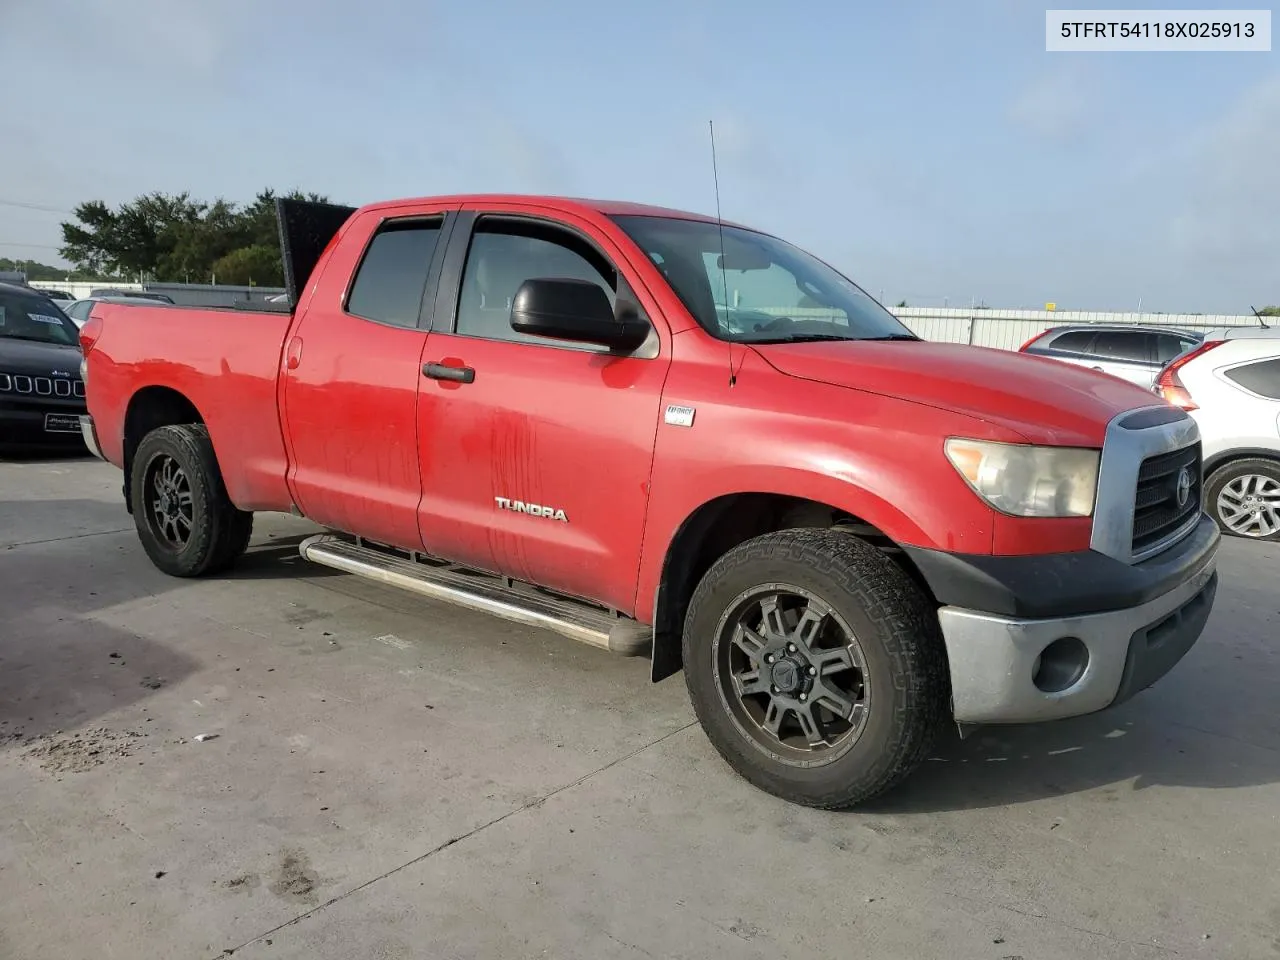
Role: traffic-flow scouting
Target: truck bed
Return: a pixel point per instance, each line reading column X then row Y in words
column 226, row 362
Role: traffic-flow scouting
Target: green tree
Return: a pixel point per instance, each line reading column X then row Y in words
column 33, row 269
column 258, row 265
column 175, row 238
column 1270, row 311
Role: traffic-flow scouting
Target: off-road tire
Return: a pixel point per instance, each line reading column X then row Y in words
column 1258, row 466
column 220, row 532
column 896, row 626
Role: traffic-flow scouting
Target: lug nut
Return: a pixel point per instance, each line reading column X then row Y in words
column 774, row 690
column 791, row 648
column 769, row 658
column 804, row 696
column 813, row 671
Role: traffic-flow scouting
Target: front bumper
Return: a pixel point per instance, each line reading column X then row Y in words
column 1097, row 647
column 25, row 425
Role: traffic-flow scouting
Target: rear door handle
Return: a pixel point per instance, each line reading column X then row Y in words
column 439, row 371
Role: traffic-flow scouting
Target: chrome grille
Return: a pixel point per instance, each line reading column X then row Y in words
column 1157, row 514
column 41, row 386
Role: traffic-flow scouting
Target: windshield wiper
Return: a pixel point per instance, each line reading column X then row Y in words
column 803, row 338
column 893, row 336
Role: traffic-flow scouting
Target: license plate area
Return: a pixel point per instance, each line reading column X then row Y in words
column 61, row 423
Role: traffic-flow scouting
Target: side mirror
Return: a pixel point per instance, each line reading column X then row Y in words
column 577, row 310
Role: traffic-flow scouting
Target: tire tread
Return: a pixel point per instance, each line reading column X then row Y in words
column 908, row 634
column 221, row 532
column 1222, row 475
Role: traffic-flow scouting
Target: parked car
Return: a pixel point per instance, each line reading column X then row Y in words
column 56, row 294
column 843, row 534
column 1130, row 352
column 79, row 310
column 41, row 392
column 1230, row 384
column 134, row 294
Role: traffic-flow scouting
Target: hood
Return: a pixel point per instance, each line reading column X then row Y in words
column 38, row 359
column 1046, row 401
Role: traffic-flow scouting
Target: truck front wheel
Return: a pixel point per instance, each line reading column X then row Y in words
column 187, row 524
column 816, row 667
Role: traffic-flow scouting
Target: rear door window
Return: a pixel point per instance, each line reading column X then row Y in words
column 1073, row 341
column 1262, row 378
column 1126, row 345
column 1169, row 345
column 392, row 277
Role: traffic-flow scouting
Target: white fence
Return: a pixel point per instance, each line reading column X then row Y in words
column 1010, row 329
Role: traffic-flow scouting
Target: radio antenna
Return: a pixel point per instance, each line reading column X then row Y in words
column 1263, row 323
column 724, row 279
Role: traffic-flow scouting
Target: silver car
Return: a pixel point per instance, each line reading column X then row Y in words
column 79, row 310
column 1127, row 351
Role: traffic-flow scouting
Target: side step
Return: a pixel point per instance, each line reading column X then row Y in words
column 508, row 599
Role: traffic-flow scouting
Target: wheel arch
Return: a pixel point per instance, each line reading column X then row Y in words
column 1227, row 457
column 149, row 408
column 722, row 523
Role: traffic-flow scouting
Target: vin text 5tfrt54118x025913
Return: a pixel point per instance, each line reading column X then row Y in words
column 668, row 436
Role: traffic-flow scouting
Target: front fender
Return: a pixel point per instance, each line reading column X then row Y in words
column 875, row 457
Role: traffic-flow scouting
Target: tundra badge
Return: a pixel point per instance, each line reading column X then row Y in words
column 533, row 509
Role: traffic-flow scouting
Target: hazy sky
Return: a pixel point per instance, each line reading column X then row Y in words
column 929, row 149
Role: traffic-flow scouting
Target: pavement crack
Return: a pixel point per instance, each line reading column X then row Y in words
column 75, row 536
column 1032, row 914
column 632, row 946
column 535, row 802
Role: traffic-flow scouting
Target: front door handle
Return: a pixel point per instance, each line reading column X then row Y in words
column 439, row 371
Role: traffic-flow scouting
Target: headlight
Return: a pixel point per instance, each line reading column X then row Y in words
column 1028, row 481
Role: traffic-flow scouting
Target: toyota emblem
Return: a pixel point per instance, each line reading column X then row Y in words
column 1184, row 487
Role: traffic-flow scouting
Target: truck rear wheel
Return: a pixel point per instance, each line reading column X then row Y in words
column 816, row 667
column 187, row 524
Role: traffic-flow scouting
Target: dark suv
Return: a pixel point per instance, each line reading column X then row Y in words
column 41, row 392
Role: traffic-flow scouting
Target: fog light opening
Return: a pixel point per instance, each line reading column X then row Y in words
column 1060, row 665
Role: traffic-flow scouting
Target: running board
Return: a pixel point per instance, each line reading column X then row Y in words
column 510, row 600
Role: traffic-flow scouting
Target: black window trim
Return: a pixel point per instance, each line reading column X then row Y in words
column 445, row 218
column 449, row 287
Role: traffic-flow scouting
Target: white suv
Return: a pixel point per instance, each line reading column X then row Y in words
column 1230, row 384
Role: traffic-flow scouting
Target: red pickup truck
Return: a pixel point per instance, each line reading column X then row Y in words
column 662, row 434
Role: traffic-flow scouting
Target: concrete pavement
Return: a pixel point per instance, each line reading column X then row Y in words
column 391, row 778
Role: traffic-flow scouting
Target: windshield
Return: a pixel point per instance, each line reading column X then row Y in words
column 757, row 288
column 27, row 317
